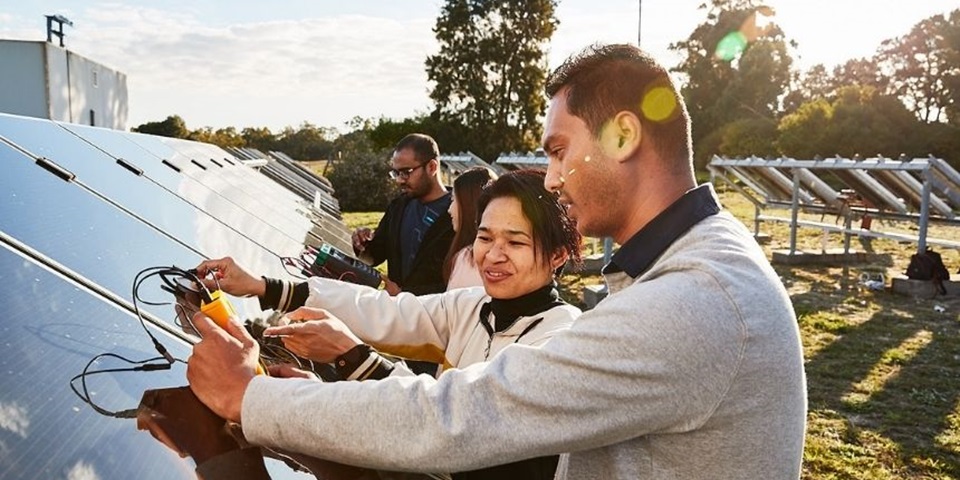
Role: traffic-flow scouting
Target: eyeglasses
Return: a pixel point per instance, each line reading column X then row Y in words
column 404, row 173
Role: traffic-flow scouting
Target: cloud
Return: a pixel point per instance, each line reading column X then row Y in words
column 295, row 68
column 305, row 56
column 14, row 418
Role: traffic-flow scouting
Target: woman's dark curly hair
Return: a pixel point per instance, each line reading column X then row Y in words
column 553, row 229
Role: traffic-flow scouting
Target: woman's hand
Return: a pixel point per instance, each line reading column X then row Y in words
column 392, row 288
column 231, row 278
column 286, row 370
column 315, row 334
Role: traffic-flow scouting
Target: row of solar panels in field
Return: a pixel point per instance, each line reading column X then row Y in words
column 82, row 211
column 920, row 190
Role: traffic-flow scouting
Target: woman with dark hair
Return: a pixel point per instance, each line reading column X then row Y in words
column 459, row 269
column 524, row 237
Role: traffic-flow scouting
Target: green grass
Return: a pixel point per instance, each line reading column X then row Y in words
column 883, row 370
column 362, row 219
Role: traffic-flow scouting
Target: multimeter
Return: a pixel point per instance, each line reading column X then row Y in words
column 218, row 308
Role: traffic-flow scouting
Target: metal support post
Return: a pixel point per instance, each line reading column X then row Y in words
column 924, row 212
column 794, row 211
column 847, row 223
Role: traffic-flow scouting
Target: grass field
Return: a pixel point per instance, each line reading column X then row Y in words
column 883, row 370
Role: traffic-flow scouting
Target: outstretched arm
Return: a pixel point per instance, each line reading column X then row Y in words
column 231, row 278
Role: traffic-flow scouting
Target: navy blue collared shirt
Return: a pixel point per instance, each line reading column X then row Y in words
column 638, row 253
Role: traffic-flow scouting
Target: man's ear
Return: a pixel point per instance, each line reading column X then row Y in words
column 621, row 136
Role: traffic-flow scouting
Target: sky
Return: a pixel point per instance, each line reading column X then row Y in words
column 251, row 63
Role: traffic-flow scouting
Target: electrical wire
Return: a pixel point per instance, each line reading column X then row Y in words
column 170, row 277
column 141, row 366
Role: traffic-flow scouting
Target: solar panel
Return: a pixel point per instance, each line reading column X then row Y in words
column 202, row 197
column 170, row 214
column 82, row 211
column 51, row 328
column 255, row 193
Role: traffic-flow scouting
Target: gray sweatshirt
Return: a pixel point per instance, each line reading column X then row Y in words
column 692, row 370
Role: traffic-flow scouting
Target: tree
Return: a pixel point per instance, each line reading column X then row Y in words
column 222, row 137
column 173, row 127
column 918, row 64
column 951, row 56
column 748, row 137
column 360, row 173
column 815, row 83
column 308, row 142
column 803, row 132
column 490, row 72
column 260, row 138
column 450, row 135
column 818, row 83
column 860, row 121
column 737, row 67
column 859, row 71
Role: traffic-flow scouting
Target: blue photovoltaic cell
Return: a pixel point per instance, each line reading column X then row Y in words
column 83, row 232
column 118, row 145
column 141, row 196
column 51, row 328
column 232, row 193
column 259, row 189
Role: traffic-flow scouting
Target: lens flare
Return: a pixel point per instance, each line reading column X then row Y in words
column 659, row 104
column 732, row 45
column 758, row 24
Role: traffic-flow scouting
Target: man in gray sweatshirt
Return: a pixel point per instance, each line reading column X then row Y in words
column 691, row 368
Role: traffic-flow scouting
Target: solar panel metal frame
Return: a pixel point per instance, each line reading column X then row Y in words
column 878, row 180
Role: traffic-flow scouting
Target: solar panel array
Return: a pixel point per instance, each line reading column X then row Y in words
column 82, row 210
column 919, row 190
column 516, row 160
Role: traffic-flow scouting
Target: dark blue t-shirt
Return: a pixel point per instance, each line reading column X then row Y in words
column 417, row 219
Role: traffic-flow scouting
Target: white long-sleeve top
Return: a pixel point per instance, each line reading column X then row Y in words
column 444, row 328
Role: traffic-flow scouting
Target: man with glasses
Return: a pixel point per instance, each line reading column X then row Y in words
column 415, row 232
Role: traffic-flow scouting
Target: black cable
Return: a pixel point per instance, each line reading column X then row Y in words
column 141, row 366
column 169, row 276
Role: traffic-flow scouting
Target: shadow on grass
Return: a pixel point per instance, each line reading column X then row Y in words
column 913, row 407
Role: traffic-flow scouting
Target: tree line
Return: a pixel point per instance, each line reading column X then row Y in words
column 745, row 97
column 743, row 91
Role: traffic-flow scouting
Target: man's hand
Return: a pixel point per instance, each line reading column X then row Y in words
column 222, row 365
column 319, row 336
column 232, row 278
column 360, row 238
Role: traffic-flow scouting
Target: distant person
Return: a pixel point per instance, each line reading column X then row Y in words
column 518, row 304
column 690, row 368
column 459, row 269
column 415, row 232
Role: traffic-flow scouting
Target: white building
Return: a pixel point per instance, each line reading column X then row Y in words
column 40, row 79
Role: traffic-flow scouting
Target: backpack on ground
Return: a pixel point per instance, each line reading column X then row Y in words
column 928, row 265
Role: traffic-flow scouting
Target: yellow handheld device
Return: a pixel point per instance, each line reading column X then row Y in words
column 220, row 310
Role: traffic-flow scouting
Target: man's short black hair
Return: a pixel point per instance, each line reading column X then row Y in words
column 424, row 147
column 603, row 80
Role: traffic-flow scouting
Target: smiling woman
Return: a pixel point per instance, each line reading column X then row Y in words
column 524, row 239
